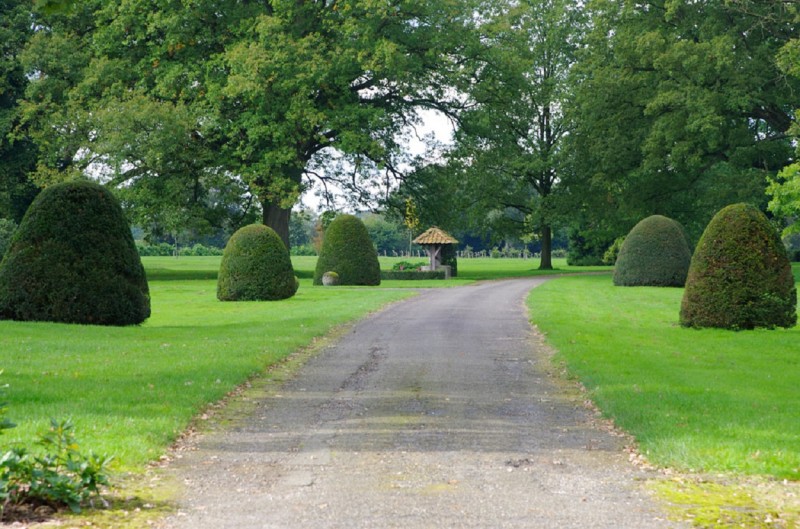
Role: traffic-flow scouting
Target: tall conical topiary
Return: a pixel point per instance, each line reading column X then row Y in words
column 740, row 276
column 655, row 253
column 255, row 267
column 348, row 250
column 73, row 260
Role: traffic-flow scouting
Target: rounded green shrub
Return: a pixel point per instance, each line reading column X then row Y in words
column 255, row 267
column 348, row 250
column 740, row 276
column 655, row 253
column 73, row 260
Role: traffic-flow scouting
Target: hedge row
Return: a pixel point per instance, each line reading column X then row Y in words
column 412, row 274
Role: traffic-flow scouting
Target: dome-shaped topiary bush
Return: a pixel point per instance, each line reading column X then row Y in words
column 255, row 267
column 348, row 250
column 655, row 253
column 740, row 276
column 73, row 260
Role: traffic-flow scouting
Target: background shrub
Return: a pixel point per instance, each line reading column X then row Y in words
column 740, row 276
column 610, row 256
column 408, row 265
column 255, row 267
column 412, row 274
column 347, row 250
column 449, row 257
column 655, row 253
column 164, row 249
column 73, row 260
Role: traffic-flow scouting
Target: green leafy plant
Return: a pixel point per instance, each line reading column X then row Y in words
column 62, row 475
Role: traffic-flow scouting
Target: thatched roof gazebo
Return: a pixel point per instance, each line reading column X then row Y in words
column 433, row 240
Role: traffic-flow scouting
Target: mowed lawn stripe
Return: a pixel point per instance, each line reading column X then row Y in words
column 131, row 390
column 704, row 400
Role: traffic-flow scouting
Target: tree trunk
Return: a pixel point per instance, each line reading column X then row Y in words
column 547, row 248
column 277, row 218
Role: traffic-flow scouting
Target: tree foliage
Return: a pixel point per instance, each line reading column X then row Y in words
column 177, row 98
column 17, row 151
column 509, row 145
column 73, row 260
column 348, row 250
column 680, row 109
column 740, row 276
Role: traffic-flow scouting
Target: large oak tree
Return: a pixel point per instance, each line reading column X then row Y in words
column 188, row 92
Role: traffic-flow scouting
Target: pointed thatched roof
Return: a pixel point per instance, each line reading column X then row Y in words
column 435, row 236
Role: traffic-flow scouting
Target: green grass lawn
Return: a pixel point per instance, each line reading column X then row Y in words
column 469, row 270
column 131, row 390
column 705, row 400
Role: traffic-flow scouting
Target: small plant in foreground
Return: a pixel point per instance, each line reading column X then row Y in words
column 62, row 476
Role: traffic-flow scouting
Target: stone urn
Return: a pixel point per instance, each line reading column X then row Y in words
column 330, row 279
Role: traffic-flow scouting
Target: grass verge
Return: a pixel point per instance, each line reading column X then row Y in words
column 704, row 402
column 130, row 391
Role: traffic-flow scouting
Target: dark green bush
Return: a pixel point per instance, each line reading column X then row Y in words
column 449, row 257
column 73, row 260
column 412, row 274
column 347, row 250
column 586, row 247
column 740, row 276
column 255, row 267
column 655, row 253
column 7, row 229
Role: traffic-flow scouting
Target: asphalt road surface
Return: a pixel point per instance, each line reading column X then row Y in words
column 436, row 413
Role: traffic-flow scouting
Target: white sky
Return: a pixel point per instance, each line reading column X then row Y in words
column 433, row 123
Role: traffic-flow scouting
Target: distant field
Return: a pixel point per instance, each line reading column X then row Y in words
column 159, row 268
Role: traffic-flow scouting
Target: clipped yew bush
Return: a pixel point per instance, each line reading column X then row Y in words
column 654, row 253
column 255, row 267
column 348, row 250
column 740, row 276
column 73, row 260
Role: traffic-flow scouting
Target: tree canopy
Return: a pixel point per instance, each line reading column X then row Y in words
column 589, row 115
column 194, row 99
column 680, row 108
